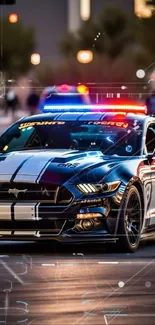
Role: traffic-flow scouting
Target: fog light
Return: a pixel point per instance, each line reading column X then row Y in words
column 88, row 225
column 88, row 215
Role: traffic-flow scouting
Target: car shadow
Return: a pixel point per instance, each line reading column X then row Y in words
column 146, row 249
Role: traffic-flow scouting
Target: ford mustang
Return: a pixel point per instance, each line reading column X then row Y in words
column 79, row 176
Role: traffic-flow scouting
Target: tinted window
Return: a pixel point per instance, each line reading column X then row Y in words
column 63, row 99
column 111, row 140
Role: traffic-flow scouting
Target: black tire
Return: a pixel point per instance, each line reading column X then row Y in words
column 130, row 222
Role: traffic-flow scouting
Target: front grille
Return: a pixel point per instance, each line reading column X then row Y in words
column 19, row 192
column 53, row 226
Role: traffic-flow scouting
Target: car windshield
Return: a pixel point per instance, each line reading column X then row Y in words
column 111, row 138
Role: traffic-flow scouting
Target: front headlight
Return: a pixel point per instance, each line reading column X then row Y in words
column 96, row 188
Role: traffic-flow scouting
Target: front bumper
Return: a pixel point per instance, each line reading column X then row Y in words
column 43, row 221
column 62, row 227
column 62, row 238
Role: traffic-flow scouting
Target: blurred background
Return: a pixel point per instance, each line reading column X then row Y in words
column 107, row 44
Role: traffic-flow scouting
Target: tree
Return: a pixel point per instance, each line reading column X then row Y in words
column 44, row 75
column 110, row 34
column 68, row 46
column 88, row 35
column 18, row 43
column 146, row 36
column 117, row 30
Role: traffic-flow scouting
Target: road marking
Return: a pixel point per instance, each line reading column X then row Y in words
column 108, row 262
column 127, row 263
column 100, row 263
column 46, row 265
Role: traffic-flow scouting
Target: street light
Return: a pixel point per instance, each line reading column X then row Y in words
column 35, row 58
column 13, row 18
column 85, row 9
column 85, row 56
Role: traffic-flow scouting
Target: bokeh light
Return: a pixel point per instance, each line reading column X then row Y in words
column 13, row 18
column 140, row 74
column 35, row 58
column 85, row 56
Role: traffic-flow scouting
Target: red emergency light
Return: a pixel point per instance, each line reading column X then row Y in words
column 119, row 109
column 64, row 88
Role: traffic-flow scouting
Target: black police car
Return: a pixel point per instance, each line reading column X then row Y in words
column 82, row 175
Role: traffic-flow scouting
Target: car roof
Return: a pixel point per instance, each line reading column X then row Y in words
column 87, row 116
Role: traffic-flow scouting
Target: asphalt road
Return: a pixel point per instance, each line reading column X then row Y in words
column 41, row 283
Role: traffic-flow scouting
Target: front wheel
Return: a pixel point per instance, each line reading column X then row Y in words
column 130, row 222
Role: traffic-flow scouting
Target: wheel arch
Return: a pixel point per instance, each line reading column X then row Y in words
column 137, row 183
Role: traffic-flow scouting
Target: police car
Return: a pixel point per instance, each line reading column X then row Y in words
column 64, row 95
column 83, row 173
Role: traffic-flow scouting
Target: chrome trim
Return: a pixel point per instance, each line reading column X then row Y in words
column 56, row 194
column 15, row 191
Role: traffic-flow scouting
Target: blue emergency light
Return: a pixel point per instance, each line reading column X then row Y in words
column 126, row 108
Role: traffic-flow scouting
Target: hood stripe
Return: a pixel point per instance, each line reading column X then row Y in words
column 43, row 170
column 18, row 169
column 10, row 165
column 32, row 169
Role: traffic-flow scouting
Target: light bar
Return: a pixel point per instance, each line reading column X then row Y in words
column 100, row 108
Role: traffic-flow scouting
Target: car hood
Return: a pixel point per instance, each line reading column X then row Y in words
column 54, row 166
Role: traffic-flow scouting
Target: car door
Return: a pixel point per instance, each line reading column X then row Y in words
column 150, row 193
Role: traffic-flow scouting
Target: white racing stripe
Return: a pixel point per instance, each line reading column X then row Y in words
column 37, row 212
column 32, row 168
column 25, row 212
column 25, row 233
column 5, row 233
column 5, row 211
column 9, row 165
